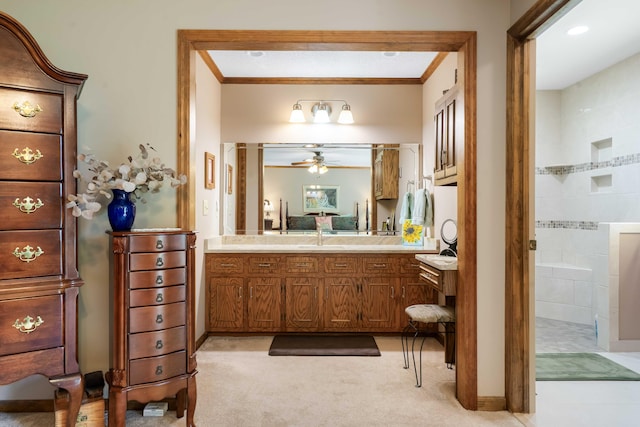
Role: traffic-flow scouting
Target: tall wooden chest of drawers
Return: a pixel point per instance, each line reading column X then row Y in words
column 39, row 278
column 153, row 321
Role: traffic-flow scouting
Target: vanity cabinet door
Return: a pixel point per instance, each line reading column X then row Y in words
column 380, row 299
column 341, row 306
column 225, row 304
column 264, row 305
column 302, row 304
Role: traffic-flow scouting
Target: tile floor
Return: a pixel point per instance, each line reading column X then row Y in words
column 582, row 403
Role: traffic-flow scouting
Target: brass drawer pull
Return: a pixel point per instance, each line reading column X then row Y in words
column 159, row 244
column 159, row 280
column 159, row 318
column 302, row 264
column 28, row 325
column 159, row 262
column 159, row 297
column 380, row 265
column 340, row 265
column 26, row 109
column 159, row 370
column 27, row 205
column 159, row 344
column 264, row 265
column 227, row 265
column 27, row 156
column 27, row 254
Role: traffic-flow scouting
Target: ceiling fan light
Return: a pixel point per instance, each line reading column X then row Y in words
column 345, row 118
column 313, row 168
column 321, row 114
column 323, row 169
column 297, row 116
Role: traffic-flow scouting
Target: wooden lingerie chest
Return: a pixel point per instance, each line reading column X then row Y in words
column 152, row 328
column 39, row 280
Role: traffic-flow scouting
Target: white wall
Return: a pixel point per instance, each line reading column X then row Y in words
column 128, row 49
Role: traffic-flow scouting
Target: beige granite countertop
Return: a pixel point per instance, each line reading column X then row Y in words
column 309, row 244
column 439, row 261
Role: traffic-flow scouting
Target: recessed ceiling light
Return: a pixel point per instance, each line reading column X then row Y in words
column 580, row 29
column 255, row 53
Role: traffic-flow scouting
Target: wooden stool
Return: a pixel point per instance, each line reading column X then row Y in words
column 425, row 314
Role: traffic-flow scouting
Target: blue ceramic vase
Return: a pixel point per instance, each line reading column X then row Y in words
column 121, row 211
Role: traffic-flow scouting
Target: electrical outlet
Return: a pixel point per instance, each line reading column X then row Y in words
column 205, row 207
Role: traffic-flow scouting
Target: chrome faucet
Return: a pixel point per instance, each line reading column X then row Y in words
column 319, row 236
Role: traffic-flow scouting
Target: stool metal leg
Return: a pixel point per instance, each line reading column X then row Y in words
column 404, row 340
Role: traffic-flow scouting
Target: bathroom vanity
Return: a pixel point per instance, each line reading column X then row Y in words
column 312, row 288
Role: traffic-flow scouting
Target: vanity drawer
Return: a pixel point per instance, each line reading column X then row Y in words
column 30, row 156
column 30, row 254
column 264, row 265
column 158, row 243
column 21, row 114
column 379, row 266
column 149, row 344
column 155, row 318
column 154, row 261
column 301, row 264
column 226, row 264
column 158, row 278
column 31, row 324
column 30, row 205
column 340, row 265
column 157, row 368
column 156, row 296
column 431, row 276
column 409, row 265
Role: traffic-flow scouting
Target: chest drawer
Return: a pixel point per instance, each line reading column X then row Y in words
column 157, row 368
column 379, row 266
column 301, row 264
column 340, row 265
column 30, row 324
column 160, row 260
column 155, row 318
column 159, row 278
column 29, row 205
column 157, row 243
column 31, row 111
column 30, row 156
column 264, row 265
column 30, row 254
column 156, row 296
column 148, row 344
column 226, row 264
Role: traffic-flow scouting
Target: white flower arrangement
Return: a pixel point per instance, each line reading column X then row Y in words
column 138, row 175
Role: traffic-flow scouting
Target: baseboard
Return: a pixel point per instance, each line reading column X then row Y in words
column 201, row 340
column 492, row 403
column 44, row 405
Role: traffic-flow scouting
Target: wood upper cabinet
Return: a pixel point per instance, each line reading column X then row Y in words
column 386, row 171
column 39, row 280
column 448, row 122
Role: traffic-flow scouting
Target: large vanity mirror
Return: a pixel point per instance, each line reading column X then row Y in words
column 273, row 188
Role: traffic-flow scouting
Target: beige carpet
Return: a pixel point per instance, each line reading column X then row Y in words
column 240, row 385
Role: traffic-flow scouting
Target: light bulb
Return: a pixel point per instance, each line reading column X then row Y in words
column 345, row 118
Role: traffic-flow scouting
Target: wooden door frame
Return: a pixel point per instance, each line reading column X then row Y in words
column 519, row 308
column 463, row 42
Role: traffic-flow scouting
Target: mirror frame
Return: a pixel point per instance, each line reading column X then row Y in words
column 462, row 42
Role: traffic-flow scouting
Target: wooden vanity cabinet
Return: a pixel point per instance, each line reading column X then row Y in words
column 319, row 292
column 152, row 327
column 39, row 280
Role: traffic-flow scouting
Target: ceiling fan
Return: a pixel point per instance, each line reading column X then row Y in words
column 317, row 159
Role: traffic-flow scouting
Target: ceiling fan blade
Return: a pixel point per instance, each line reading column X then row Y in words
column 305, row 162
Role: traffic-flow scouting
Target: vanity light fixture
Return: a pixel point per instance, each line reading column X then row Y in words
column 321, row 111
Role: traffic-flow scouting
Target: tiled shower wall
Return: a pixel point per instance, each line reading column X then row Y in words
column 587, row 172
